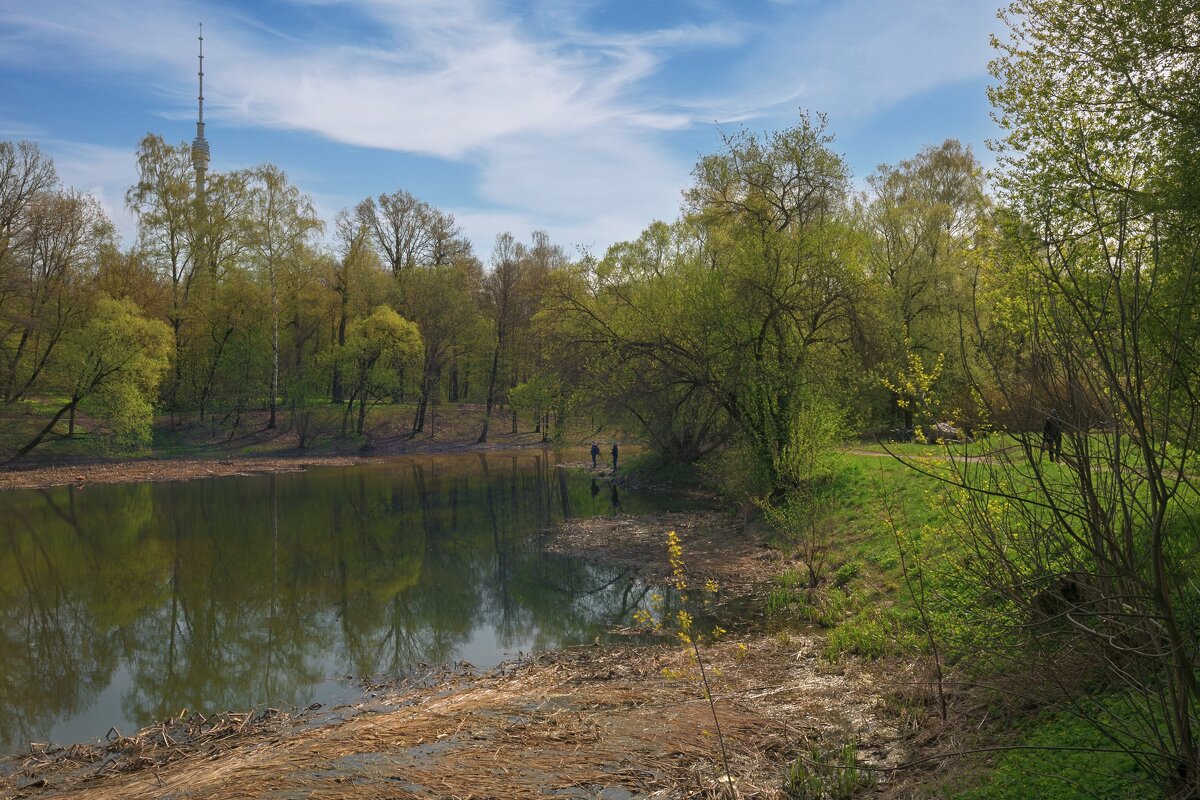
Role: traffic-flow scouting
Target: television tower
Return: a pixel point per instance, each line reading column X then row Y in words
column 200, row 144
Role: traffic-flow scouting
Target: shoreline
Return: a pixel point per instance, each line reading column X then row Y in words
column 194, row 467
column 260, row 450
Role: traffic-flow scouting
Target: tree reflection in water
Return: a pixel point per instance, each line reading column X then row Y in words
column 238, row 592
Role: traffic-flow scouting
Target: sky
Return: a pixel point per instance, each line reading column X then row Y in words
column 583, row 119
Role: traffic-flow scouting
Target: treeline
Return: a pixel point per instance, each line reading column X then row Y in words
column 245, row 299
column 777, row 290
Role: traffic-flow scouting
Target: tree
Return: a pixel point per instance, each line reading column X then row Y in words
column 440, row 300
column 168, row 222
column 283, row 221
column 110, row 367
column 511, row 296
column 375, row 351
column 435, row 277
column 409, row 232
column 56, row 251
column 24, row 174
column 745, row 304
column 925, row 217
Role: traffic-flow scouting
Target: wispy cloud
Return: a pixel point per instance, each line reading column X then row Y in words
column 859, row 57
column 103, row 172
column 570, row 126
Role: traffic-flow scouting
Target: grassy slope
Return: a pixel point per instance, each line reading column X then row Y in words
column 868, row 609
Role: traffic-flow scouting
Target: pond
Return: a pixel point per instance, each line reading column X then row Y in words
column 121, row 605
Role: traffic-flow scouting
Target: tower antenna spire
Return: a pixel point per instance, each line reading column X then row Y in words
column 200, row 153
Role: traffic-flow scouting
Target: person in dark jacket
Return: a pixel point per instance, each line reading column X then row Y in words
column 1052, row 436
column 614, row 454
column 595, row 453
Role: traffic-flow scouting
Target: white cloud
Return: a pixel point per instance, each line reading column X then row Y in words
column 570, row 129
column 864, row 56
column 613, row 181
column 103, row 172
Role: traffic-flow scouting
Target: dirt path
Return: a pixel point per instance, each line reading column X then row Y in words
column 611, row 721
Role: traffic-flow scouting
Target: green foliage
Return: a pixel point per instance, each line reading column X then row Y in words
column 828, row 774
column 1067, row 759
column 376, row 350
column 534, row 398
column 781, row 600
column 111, row 369
column 869, row 633
column 732, row 322
column 846, row 573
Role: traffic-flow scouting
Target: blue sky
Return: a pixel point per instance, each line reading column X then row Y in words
column 580, row 118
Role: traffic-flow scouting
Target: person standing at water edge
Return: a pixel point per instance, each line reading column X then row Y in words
column 595, row 453
column 614, row 452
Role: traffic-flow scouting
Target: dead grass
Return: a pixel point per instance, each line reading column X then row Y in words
column 571, row 723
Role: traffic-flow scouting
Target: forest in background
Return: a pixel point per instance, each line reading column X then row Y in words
column 780, row 313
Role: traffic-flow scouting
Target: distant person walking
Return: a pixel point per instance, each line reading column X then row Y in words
column 614, row 454
column 1052, row 436
column 595, row 454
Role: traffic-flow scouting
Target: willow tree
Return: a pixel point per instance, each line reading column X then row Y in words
column 925, row 217
column 372, row 360
column 745, row 303
column 110, row 367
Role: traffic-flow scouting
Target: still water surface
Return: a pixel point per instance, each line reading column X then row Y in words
column 123, row 604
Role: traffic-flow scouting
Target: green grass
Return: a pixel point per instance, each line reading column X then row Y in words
column 867, row 610
column 1049, row 770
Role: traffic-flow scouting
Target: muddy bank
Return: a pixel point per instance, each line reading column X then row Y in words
column 213, row 450
column 42, row 477
column 194, row 468
column 716, row 547
column 612, row 721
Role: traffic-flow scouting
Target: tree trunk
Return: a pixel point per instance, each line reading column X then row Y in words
column 36, row 440
column 338, row 392
column 491, row 397
column 419, row 418
column 346, row 412
column 274, row 349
